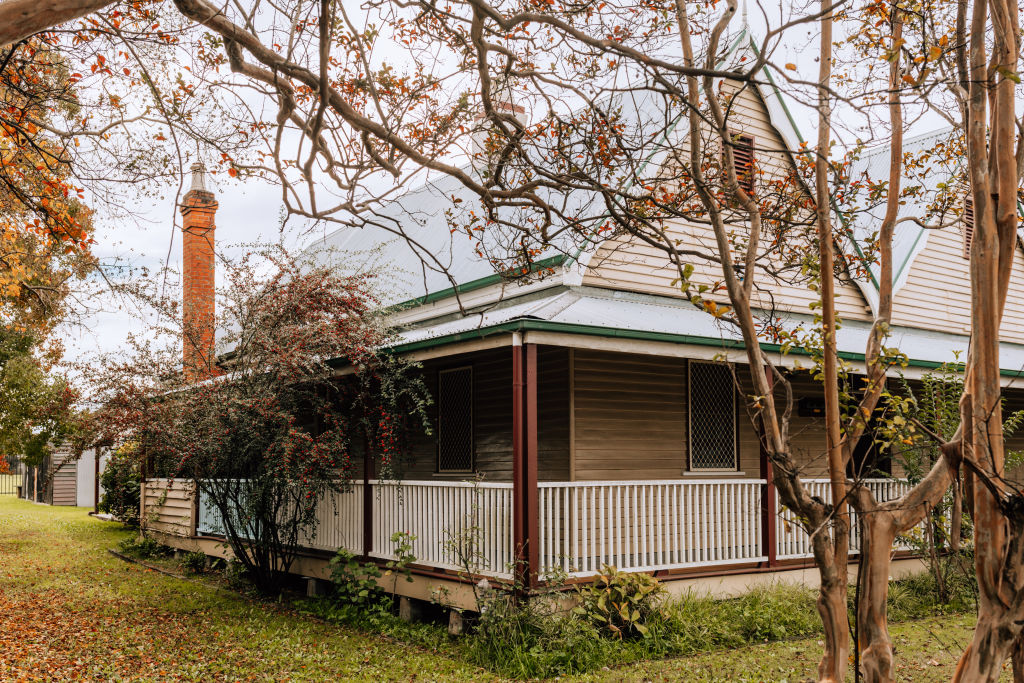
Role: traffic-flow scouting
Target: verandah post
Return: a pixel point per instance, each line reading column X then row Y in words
column 367, row 500
column 524, row 462
column 530, row 469
column 768, row 506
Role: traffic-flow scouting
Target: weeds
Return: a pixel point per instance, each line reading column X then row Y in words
column 142, row 548
column 194, row 562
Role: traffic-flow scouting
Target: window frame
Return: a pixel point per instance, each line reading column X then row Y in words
column 472, row 425
column 689, row 423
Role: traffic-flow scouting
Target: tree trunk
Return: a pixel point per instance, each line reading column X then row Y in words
column 994, row 639
column 876, row 657
column 832, row 603
column 20, row 19
column 1018, row 660
column 832, row 608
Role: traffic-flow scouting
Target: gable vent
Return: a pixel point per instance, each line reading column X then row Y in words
column 743, row 157
column 968, row 225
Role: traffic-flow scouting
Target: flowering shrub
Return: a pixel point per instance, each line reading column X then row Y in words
column 275, row 428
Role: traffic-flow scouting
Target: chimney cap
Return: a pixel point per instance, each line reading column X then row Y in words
column 198, row 178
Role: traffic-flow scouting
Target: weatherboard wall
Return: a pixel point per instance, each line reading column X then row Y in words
column 64, row 483
column 630, row 420
column 937, row 292
column 168, row 506
column 492, row 417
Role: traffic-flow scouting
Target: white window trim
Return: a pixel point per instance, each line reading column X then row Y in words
column 472, row 433
column 689, row 425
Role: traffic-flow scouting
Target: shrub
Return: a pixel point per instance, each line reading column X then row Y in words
column 236, row 575
column 142, row 547
column 620, row 603
column 121, row 481
column 194, row 562
column 275, row 436
column 533, row 639
column 355, row 584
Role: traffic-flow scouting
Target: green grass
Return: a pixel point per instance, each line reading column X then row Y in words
column 926, row 652
column 70, row 610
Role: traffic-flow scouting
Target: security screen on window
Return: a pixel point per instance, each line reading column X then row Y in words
column 455, row 420
column 712, row 430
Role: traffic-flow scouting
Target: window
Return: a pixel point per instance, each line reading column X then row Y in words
column 455, row 420
column 968, row 226
column 712, row 428
column 743, row 156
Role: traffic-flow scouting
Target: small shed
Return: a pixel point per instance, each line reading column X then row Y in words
column 65, row 479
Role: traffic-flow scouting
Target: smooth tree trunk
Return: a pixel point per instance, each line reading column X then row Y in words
column 880, row 524
column 832, row 595
column 773, row 423
column 878, row 532
column 992, row 150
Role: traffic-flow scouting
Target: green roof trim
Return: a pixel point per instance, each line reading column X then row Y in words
column 528, row 325
column 479, row 283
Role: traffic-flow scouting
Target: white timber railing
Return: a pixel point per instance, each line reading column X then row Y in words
column 453, row 525
column 339, row 520
column 793, row 541
column 457, row 525
column 582, row 526
column 648, row 525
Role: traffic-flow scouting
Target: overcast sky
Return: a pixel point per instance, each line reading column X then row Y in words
column 251, row 211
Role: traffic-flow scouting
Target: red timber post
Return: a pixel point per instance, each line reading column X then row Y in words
column 524, row 462
column 367, row 500
column 768, row 504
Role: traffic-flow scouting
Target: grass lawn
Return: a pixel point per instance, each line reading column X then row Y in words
column 71, row 611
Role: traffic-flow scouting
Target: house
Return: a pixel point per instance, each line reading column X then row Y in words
column 589, row 416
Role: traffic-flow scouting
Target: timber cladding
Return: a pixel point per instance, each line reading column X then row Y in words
column 937, row 293
column 64, row 486
column 634, row 265
column 168, row 506
column 492, row 416
column 631, row 418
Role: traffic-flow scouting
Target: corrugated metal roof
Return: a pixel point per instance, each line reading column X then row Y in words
column 909, row 237
column 412, row 239
column 615, row 311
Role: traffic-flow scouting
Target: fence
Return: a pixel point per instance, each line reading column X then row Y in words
column 644, row 526
column 12, row 473
column 793, row 541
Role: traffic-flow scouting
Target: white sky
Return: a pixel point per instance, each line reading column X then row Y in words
column 251, row 210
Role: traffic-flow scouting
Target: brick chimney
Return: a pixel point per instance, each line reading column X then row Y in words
column 198, row 308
